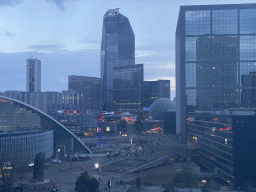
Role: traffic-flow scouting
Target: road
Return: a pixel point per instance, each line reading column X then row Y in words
column 155, row 146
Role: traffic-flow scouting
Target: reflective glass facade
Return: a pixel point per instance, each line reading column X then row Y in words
column 89, row 89
column 226, row 144
column 24, row 146
column 212, row 136
column 117, row 49
column 128, row 88
column 215, row 47
column 154, row 90
column 215, row 69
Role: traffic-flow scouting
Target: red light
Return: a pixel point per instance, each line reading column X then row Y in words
column 155, row 128
column 228, row 128
column 221, row 129
column 102, row 117
column 129, row 118
column 74, row 111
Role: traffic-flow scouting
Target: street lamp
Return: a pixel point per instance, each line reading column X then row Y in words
column 96, row 165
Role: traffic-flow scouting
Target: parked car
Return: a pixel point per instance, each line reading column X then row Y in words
column 56, row 161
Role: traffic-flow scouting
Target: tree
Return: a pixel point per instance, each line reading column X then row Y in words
column 138, row 126
column 86, row 183
column 138, row 182
column 185, row 177
column 7, row 175
column 122, row 126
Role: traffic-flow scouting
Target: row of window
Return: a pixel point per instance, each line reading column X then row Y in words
column 223, row 21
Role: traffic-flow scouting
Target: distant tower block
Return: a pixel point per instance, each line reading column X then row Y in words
column 33, row 79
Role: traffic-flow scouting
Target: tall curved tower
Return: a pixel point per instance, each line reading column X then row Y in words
column 117, row 49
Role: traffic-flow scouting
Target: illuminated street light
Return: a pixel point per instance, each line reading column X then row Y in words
column 96, row 165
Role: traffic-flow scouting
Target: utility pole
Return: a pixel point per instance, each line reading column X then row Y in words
column 109, row 186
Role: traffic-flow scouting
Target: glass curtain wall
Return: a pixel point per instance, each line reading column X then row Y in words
column 117, row 49
column 220, row 58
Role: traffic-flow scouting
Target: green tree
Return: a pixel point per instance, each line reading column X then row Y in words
column 122, row 126
column 138, row 182
column 204, row 188
column 86, row 183
column 185, row 177
column 138, row 126
column 7, row 175
column 248, row 187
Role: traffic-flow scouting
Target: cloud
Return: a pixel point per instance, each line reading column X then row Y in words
column 161, row 53
column 3, row 65
column 8, row 33
column 58, row 3
column 159, row 65
column 167, row 46
column 9, row 2
column 47, row 48
column 89, row 40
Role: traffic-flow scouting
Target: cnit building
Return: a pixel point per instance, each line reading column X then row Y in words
column 26, row 131
column 215, row 65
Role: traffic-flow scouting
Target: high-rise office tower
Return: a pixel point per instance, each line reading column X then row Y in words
column 215, row 45
column 215, row 50
column 89, row 89
column 154, row 90
column 128, row 88
column 117, row 49
column 33, row 79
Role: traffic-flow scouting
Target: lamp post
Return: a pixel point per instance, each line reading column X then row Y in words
column 71, row 159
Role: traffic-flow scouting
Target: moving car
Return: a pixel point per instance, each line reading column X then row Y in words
column 56, row 161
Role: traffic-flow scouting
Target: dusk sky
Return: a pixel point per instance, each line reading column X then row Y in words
column 66, row 35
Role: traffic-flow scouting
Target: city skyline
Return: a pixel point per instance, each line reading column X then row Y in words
column 66, row 37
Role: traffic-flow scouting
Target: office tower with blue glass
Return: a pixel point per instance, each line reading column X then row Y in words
column 89, row 89
column 117, row 49
column 215, row 65
column 154, row 90
column 128, row 88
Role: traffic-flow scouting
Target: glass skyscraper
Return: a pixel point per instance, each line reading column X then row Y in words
column 117, row 49
column 89, row 89
column 154, row 90
column 215, row 48
column 128, row 88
